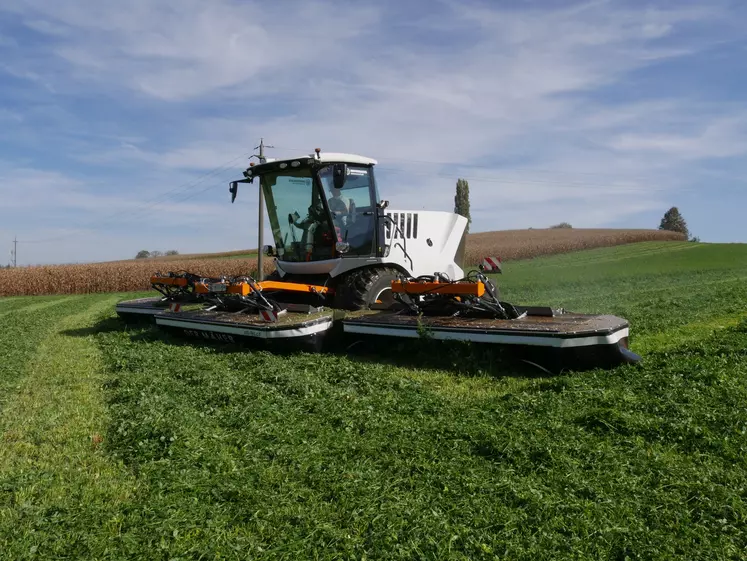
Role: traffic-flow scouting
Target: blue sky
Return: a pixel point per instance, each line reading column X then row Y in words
column 122, row 123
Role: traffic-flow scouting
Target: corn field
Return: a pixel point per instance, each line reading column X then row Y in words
column 511, row 245
column 119, row 276
column 134, row 275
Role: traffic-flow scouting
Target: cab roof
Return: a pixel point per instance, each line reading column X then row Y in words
column 323, row 157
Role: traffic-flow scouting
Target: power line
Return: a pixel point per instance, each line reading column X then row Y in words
column 145, row 209
column 482, row 166
column 462, row 165
column 161, row 198
column 618, row 188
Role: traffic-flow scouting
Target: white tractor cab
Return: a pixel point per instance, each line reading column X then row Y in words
column 331, row 228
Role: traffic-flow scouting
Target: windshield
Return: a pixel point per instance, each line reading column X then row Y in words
column 300, row 224
column 352, row 208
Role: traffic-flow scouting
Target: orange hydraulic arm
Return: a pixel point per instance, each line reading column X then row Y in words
column 243, row 288
column 452, row 288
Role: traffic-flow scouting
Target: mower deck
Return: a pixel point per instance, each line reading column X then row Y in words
column 554, row 340
column 241, row 311
column 306, row 329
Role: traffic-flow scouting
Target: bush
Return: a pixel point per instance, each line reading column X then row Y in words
column 172, row 252
column 562, row 225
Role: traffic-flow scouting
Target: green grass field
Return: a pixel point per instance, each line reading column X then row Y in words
column 128, row 444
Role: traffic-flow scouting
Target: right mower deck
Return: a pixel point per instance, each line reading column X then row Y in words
column 562, row 340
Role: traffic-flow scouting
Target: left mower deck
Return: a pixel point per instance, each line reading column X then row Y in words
column 306, row 329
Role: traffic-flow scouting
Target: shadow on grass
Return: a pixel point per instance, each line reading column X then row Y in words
column 461, row 358
column 145, row 330
column 465, row 359
column 107, row 325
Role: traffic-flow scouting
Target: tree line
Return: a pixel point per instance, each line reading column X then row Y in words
column 145, row 254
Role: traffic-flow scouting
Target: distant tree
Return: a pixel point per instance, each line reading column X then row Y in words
column 172, row 252
column 562, row 225
column 674, row 222
column 156, row 253
column 142, row 254
column 461, row 200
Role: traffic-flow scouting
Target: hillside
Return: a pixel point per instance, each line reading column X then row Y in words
column 510, row 244
column 134, row 274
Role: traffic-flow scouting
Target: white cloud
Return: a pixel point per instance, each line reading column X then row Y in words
column 512, row 95
column 179, row 49
column 720, row 138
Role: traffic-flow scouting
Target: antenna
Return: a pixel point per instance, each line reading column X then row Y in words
column 14, row 251
column 261, row 204
column 261, row 149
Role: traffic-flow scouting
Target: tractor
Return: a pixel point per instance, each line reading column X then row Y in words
column 331, row 228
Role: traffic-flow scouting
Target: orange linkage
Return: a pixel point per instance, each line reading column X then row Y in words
column 453, row 288
column 243, row 288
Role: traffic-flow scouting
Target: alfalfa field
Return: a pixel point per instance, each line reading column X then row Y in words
column 121, row 443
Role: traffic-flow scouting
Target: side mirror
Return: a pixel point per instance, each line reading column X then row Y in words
column 233, row 188
column 268, row 250
column 339, row 175
column 383, row 204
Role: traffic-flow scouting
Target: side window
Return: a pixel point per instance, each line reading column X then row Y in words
column 357, row 189
column 350, row 208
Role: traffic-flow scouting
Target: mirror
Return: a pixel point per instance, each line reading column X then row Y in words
column 233, row 188
column 268, row 250
column 339, row 175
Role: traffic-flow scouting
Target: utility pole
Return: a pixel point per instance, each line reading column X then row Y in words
column 261, row 225
column 14, row 253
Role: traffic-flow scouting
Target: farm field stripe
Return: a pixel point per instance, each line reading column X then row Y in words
column 694, row 331
column 51, row 458
column 21, row 331
column 598, row 255
column 35, row 304
column 699, row 285
column 582, row 258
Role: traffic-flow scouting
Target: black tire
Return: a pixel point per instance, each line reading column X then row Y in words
column 362, row 287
